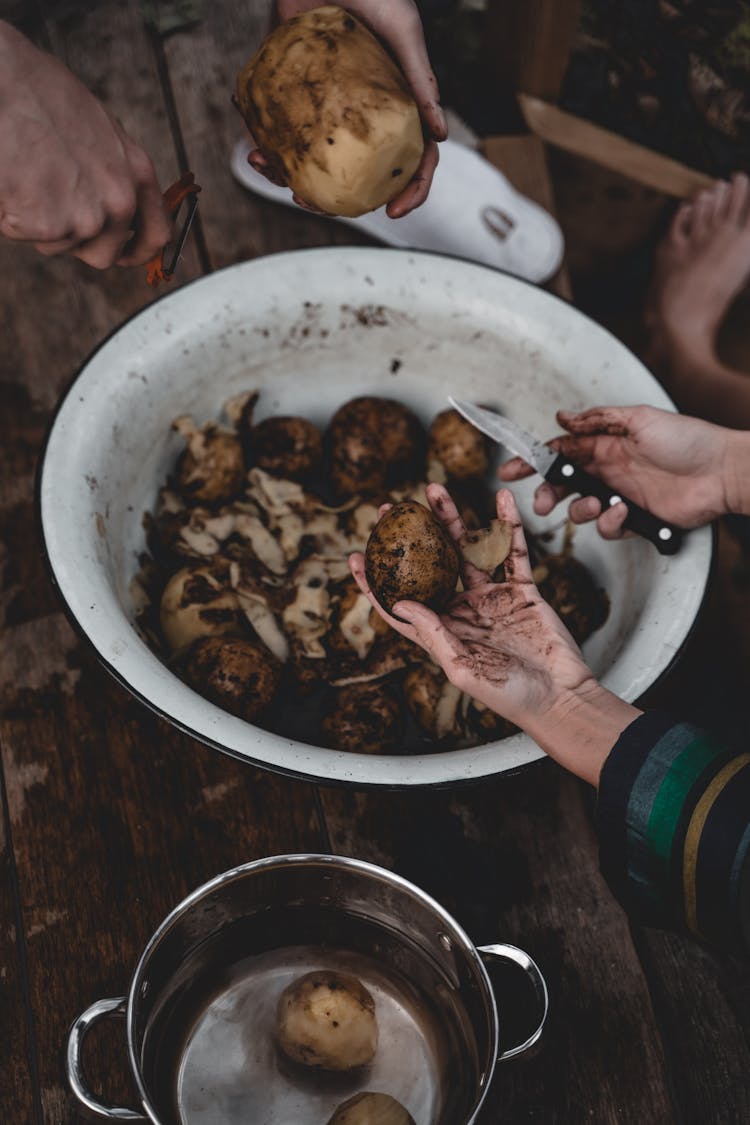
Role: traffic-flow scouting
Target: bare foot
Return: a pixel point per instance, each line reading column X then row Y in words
column 701, row 265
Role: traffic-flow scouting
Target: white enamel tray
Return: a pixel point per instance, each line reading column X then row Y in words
column 310, row 329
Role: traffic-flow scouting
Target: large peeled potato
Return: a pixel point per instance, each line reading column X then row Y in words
column 327, row 1020
column 332, row 113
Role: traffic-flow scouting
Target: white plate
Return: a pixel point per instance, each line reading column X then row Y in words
column 311, row 329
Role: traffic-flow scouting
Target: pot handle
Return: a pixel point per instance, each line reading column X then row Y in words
column 490, row 953
column 115, row 1006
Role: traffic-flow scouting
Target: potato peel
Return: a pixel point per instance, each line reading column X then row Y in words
column 488, row 547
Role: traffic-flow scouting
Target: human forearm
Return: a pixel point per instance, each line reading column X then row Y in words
column 581, row 727
column 674, row 838
column 737, row 472
column 71, row 180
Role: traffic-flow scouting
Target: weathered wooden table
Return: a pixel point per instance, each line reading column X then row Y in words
column 110, row 816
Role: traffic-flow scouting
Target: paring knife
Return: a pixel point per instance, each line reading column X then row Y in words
column 559, row 470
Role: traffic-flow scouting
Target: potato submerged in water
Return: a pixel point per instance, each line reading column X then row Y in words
column 409, row 557
column 332, row 113
column 327, row 1020
column 371, row 1109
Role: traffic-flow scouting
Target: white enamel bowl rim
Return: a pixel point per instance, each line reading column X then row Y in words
column 75, row 531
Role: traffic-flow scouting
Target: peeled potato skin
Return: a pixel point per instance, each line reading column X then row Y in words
column 332, row 113
column 327, row 1020
column 410, row 558
column 197, row 602
column 371, row 1109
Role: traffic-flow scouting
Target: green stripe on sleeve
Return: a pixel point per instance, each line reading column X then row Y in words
column 669, row 804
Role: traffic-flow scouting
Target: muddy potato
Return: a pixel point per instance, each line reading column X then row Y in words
column 327, row 1020
column 486, row 724
column 236, row 674
column 332, row 113
column 570, row 588
column 409, row 557
column 373, row 443
column 461, row 449
column 285, row 446
column 371, row 1109
column 434, row 701
column 198, row 602
column 364, row 719
column 212, row 467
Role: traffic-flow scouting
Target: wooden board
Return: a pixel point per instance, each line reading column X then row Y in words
column 18, row 1081
column 529, row 43
column 558, row 127
column 113, row 815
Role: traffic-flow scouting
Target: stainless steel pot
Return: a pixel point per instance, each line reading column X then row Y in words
column 201, row 1006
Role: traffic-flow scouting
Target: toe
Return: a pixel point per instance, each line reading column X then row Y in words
column 721, row 196
column 739, row 197
column 682, row 223
column 703, row 208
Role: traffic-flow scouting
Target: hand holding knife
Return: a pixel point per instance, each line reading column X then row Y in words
column 558, row 469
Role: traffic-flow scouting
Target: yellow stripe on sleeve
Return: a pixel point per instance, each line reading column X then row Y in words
column 695, row 831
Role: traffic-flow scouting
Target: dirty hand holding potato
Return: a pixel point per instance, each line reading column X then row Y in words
column 396, row 23
column 71, row 180
column 683, row 469
column 503, row 645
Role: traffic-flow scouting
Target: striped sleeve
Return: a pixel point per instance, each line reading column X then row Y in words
column 673, row 817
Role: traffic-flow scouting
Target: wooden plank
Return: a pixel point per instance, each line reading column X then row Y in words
column 17, row 1077
column 524, row 162
column 702, row 1003
column 20, row 1099
column 114, row 816
column 529, row 43
column 573, row 134
column 515, row 860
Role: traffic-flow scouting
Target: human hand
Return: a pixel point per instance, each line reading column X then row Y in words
column 397, row 23
column 675, row 466
column 71, row 180
column 505, row 646
column 498, row 641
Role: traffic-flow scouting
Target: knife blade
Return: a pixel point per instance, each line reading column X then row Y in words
column 560, row 470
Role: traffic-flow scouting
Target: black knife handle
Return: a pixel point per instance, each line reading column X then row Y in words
column 664, row 536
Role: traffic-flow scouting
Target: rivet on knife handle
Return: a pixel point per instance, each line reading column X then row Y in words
column 664, row 536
